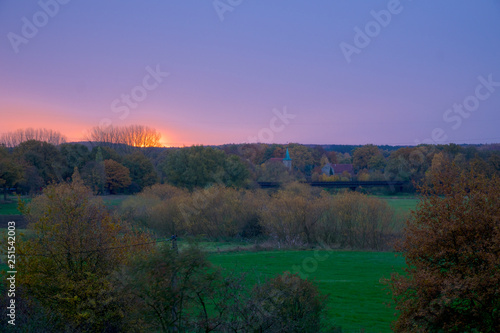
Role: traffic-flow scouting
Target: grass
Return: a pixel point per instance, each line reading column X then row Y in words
column 401, row 205
column 210, row 246
column 357, row 299
column 114, row 201
column 9, row 207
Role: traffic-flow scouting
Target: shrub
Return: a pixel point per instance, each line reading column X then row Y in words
column 357, row 221
column 288, row 303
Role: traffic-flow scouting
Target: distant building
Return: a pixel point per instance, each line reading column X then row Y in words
column 337, row 169
column 287, row 161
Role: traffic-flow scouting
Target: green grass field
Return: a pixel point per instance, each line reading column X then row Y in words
column 9, row 208
column 401, row 204
column 357, row 299
column 114, row 201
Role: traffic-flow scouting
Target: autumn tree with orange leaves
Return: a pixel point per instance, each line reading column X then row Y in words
column 452, row 251
column 117, row 176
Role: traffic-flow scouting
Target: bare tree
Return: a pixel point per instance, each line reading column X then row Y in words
column 13, row 139
column 133, row 135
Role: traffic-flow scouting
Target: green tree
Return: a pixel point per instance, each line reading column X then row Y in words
column 236, row 173
column 100, row 154
column 142, row 171
column 75, row 155
column 43, row 156
column 452, row 251
column 94, row 176
column 10, row 172
column 199, row 166
column 177, row 292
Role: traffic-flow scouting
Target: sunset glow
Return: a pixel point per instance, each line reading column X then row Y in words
column 221, row 80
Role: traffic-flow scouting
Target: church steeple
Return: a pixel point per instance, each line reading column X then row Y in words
column 287, row 158
column 287, row 161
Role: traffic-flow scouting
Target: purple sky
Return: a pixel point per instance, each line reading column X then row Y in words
column 271, row 71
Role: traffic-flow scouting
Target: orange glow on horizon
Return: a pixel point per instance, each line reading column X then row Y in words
column 75, row 127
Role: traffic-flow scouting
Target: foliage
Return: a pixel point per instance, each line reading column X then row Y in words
column 358, row 221
column 216, row 212
column 292, row 214
column 298, row 216
column 101, row 153
column 288, row 304
column 142, row 171
column 117, row 176
column 409, row 163
column 302, row 158
column 184, row 292
column 273, row 171
column 219, row 212
column 176, row 291
column 76, row 155
column 94, row 176
column 158, row 208
column 199, row 166
column 77, row 245
column 44, row 156
column 10, row 172
column 452, row 248
column 366, row 157
column 30, row 315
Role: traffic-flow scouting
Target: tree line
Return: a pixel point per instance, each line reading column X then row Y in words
column 127, row 159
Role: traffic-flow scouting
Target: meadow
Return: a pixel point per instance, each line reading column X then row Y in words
column 9, row 207
column 401, row 205
column 357, row 302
